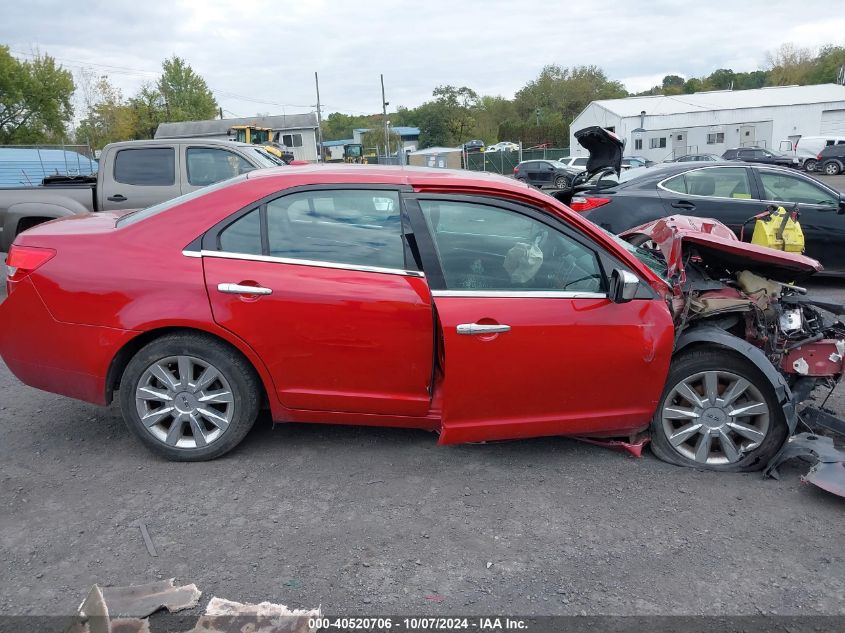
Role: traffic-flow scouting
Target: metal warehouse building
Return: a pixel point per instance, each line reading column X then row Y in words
column 664, row 127
column 298, row 132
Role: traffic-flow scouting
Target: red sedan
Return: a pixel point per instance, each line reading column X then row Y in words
column 469, row 305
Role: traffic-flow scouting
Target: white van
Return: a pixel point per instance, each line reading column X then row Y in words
column 810, row 147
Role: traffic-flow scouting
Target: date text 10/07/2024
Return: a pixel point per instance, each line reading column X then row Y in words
column 375, row 624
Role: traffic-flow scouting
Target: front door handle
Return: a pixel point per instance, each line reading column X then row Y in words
column 239, row 289
column 119, row 197
column 478, row 328
column 683, row 204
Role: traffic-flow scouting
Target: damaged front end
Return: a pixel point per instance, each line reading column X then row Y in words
column 743, row 296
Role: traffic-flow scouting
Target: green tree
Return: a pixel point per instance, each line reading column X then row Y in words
column 827, row 66
column 186, row 95
column 149, row 111
column 789, row 64
column 108, row 117
column 673, row 85
column 35, row 99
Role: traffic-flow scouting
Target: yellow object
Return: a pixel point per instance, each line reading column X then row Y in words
column 779, row 231
column 252, row 134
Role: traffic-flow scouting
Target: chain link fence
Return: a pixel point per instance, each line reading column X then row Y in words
column 504, row 162
column 28, row 165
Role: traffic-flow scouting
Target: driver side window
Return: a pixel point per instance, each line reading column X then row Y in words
column 487, row 248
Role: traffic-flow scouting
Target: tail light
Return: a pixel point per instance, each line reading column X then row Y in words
column 581, row 204
column 819, row 157
column 22, row 260
column 516, row 169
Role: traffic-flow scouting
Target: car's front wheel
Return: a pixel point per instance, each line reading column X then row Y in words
column 562, row 182
column 810, row 164
column 718, row 412
column 831, row 168
column 189, row 397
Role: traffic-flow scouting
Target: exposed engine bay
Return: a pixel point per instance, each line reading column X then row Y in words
column 751, row 293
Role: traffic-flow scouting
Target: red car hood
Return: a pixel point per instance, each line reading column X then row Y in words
column 717, row 244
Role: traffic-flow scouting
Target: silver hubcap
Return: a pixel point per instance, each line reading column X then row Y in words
column 715, row 417
column 184, row 402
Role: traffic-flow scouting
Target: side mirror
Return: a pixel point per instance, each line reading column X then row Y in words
column 623, row 286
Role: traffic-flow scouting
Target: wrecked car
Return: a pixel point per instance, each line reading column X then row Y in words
column 465, row 304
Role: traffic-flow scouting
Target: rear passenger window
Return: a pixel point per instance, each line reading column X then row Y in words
column 720, row 182
column 243, row 235
column 356, row 227
column 153, row 166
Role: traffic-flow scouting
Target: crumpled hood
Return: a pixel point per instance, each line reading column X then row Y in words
column 716, row 244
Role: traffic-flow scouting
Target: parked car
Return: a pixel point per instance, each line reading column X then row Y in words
column 695, row 158
column 812, row 146
column 633, row 162
column 729, row 192
column 761, row 155
column 578, row 163
column 471, row 306
column 503, row 146
column 831, row 160
column 476, row 145
column 545, row 173
column 132, row 174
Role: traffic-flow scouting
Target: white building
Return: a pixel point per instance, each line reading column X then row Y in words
column 663, row 127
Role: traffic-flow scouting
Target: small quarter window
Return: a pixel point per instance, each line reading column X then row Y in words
column 243, row 235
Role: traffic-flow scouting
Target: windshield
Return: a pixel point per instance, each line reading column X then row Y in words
column 648, row 257
column 263, row 158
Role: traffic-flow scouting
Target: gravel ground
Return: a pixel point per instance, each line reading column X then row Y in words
column 367, row 521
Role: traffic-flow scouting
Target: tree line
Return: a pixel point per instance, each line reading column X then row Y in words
column 37, row 101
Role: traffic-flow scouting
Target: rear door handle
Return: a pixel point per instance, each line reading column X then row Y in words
column 683, row 204
column 478, row 328
column 117, row 198
column 238, row 289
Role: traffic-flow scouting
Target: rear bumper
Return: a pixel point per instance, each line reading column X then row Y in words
column 64, row 358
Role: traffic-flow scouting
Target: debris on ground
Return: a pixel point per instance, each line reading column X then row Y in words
column 227, row 616
column 125, row 609
column 828, row 472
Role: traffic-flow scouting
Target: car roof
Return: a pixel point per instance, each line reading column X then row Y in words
column 387, row 175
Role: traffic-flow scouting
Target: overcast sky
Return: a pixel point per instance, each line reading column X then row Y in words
column 253, row 51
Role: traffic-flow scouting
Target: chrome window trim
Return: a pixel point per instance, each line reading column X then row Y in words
column 191, row 254
column 308, row 262
column 695, row 195
column 518, row 294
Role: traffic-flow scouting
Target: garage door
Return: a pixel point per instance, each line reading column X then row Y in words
column 833, row 122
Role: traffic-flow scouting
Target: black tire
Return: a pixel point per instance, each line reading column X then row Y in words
column 810, row 164
column 831, row 168
column 562, row 182
column 243, row 382
column 696, row 361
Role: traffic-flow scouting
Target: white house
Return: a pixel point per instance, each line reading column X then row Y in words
column 663, row 127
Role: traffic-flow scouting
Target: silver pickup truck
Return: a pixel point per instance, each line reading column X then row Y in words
column 131, row 175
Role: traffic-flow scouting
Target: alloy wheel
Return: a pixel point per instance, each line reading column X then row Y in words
column 715, row 417
column 831, row 169
column 184, row 402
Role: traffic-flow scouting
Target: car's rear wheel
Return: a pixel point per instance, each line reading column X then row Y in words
column 562, row 182
column 189, row 397
column 810, row 164
column 718, row 412
column 831, row 168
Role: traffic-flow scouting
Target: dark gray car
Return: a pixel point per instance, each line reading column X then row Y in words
column 545, row 173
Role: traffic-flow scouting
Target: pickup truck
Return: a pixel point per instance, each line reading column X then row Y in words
column 131, row 175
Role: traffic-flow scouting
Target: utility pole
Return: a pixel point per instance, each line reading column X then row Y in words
column 384, row 105
column 319, row 121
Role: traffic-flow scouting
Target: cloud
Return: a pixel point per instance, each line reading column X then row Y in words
column 261, row 55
